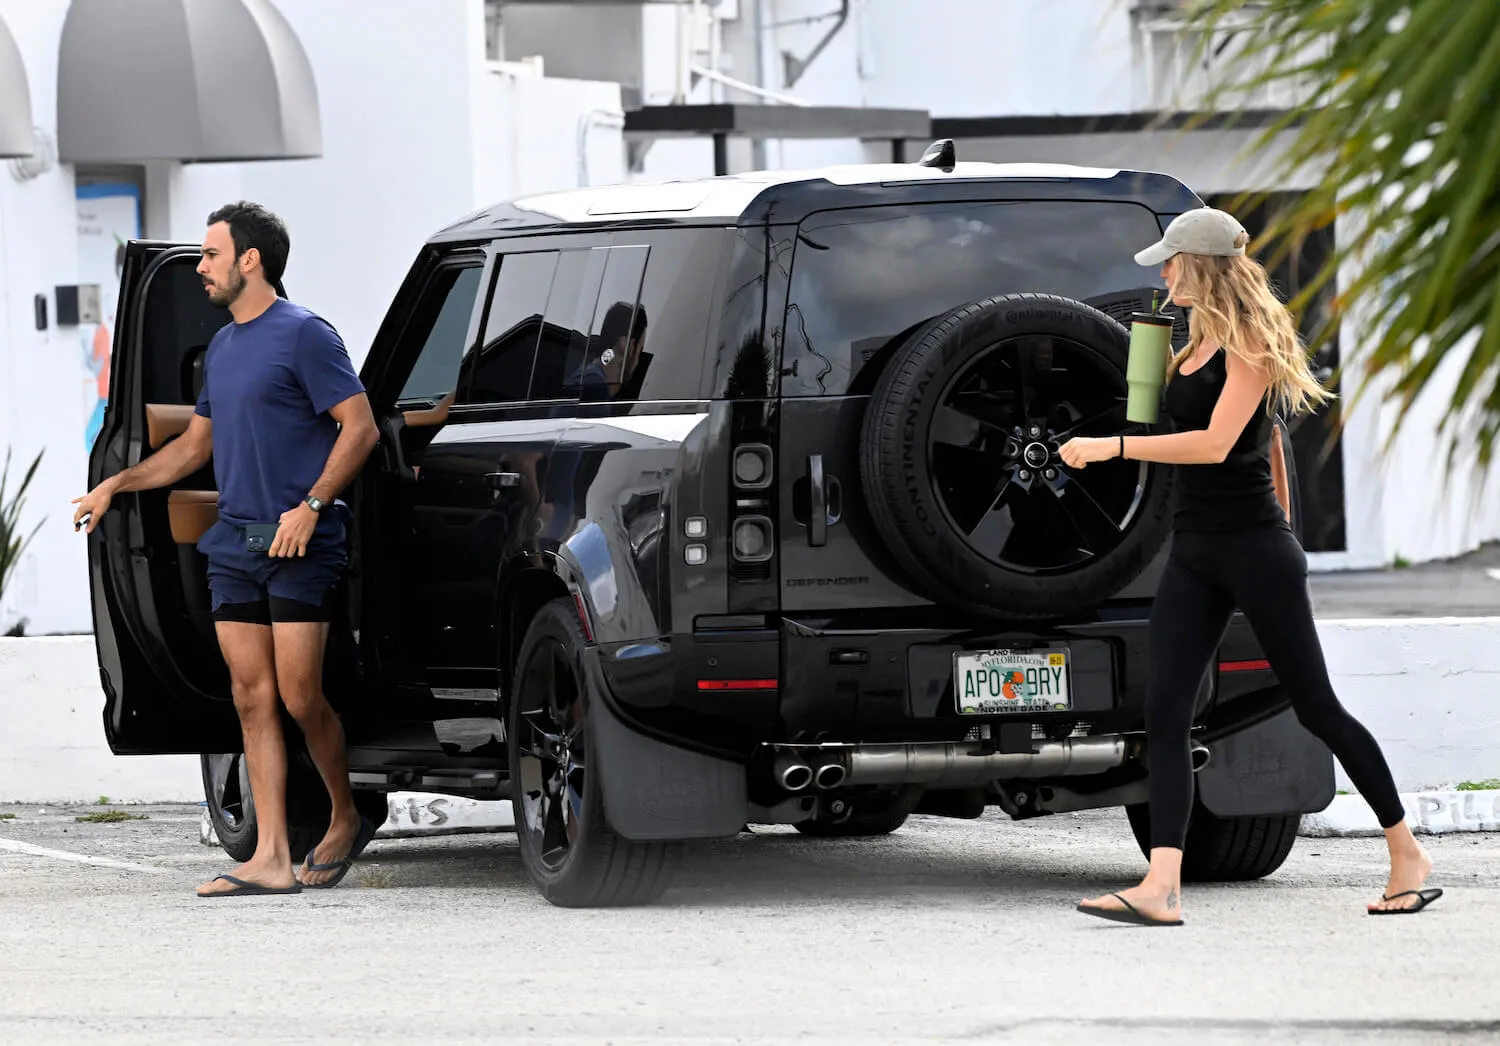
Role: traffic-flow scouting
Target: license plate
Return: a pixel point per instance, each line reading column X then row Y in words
column 987, row 682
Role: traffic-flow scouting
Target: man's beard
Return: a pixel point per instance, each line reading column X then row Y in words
column 228, row 295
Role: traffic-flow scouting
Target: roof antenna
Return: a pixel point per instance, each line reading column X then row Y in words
column 940, row 154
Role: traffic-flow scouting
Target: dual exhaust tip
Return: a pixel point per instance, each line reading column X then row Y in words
column 797, row 776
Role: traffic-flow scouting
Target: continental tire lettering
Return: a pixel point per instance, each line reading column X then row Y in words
column 910, row 448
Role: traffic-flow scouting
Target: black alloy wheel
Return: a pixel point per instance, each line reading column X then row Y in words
column 553, row 762
column 993, row 452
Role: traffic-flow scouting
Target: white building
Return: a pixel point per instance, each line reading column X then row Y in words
column 400, row 121
column 142, row 110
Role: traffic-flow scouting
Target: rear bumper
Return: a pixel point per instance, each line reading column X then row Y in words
column 875, row 707
column 807, row 679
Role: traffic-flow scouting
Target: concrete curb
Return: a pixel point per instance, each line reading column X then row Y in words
column 1428, row 813
column 422, row 814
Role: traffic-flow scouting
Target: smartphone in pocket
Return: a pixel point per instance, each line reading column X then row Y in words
column 258, row 537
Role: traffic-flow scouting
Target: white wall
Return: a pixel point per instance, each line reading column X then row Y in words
column 395, row 86
column 1406, row 501
column 999, row 57
column 43, row 379
column 1425, row 689
column 536, row 134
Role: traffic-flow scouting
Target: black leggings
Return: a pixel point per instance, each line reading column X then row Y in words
column 1263, row 572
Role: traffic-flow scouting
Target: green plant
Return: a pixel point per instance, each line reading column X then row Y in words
column 1400, row 562
column 1488, row 785
column 7, row 817
column 103, row 800
column 110, row 817
column 12, row 543
column 1391, row 116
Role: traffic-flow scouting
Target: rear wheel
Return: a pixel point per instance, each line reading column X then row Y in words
column 961, row 467
column 231, row 806
column 1224, row 849
column 567, row 845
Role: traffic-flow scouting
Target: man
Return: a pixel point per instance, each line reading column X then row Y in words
column 616, row 366
column 287, row 422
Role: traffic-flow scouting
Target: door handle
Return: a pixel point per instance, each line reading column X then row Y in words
column 498, row 480
column 817, row 511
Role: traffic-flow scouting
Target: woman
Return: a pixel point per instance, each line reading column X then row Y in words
column 1232, row 546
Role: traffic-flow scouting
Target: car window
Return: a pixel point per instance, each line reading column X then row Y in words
column 864, row 279
column 564, row 335
column 446, row 307
column 500, row 369
column 609, row 361
column 671, row 323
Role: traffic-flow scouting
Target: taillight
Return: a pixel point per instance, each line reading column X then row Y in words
column 753, row 536
column 753, row 466
column 752, row 531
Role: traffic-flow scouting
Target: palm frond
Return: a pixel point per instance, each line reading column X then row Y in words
column 1394, row 116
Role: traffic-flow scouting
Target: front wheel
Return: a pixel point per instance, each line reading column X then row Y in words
column 567, row 845
column 231, row 806
column 1224, row 849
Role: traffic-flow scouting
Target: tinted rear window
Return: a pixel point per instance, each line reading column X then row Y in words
column 863, row 279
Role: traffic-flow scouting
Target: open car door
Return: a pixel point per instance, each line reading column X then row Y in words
column 165, row 685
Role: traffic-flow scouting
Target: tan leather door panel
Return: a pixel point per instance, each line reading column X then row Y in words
column 192, row 512
column 165, row 420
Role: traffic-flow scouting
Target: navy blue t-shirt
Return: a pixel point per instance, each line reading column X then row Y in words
column 267, row 387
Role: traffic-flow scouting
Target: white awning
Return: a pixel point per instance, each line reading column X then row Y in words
column 16, row 138
column 190, row 80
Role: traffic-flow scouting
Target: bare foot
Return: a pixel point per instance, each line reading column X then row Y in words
column 1408, row 872
column 271, row 872
column 334, row 847
column 1161, row 903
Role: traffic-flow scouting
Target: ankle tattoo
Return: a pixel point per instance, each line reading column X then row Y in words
column 1171, row 898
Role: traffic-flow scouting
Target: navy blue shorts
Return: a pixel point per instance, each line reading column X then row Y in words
column 255, row 588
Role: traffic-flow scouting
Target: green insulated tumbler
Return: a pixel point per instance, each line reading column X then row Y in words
column 1150, row 349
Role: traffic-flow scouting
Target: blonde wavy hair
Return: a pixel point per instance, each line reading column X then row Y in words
column 1234, row 306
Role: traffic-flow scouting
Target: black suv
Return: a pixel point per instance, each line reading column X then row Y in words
column 716, row 503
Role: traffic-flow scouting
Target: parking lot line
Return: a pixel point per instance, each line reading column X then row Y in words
column 64, row 855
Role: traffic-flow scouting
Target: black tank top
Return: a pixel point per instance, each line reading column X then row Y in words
column 1237, row 493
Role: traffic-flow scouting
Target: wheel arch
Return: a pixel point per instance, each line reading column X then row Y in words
column 525, row 587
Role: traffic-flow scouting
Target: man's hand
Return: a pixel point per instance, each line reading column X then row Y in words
column 294, row 531
column 1081, row 450
column 94, row 505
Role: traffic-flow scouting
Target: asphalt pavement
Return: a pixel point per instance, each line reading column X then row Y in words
column 946, row 931
column 1467, row 586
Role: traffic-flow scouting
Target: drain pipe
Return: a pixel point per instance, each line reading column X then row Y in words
column 795, row 67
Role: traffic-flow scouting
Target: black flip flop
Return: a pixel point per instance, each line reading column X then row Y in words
column 367, row 830
column 245, row 888
column 1424, row 898
column 1128, row 914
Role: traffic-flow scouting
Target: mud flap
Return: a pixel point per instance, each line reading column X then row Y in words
column 1273, row 767
column 657, row 791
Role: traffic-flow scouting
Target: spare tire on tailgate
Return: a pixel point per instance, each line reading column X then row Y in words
column 960, row 465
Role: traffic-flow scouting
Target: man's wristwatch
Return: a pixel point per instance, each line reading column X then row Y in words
column 314, row 503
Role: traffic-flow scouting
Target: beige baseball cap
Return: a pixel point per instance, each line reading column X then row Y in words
column 1201, row 231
